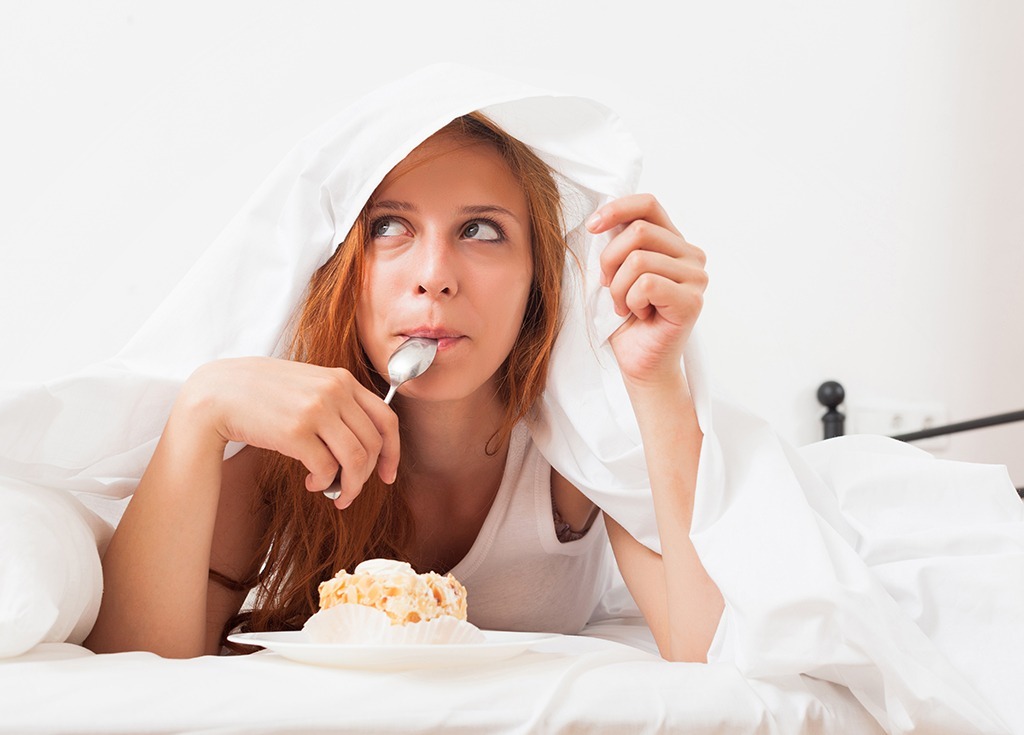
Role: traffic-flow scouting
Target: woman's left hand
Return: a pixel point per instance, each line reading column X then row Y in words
column 657, row 279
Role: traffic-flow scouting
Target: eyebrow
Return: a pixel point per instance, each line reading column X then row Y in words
column 471, row 209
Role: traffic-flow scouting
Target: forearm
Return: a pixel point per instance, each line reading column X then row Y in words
column 672, row 441
column 156, row 566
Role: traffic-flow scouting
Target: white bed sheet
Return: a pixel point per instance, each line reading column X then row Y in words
column 566, row 684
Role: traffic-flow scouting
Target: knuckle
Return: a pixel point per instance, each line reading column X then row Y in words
column 646, row 281
column 376, row 444
column 639, row 229
column 324, row 465
column 345, row 378
column 295, row 426
column 648, row 201
column 310, row 407
column 359, row 456
column 336, row 384
column 651, row 259
column 637, row 261
column 695, row 300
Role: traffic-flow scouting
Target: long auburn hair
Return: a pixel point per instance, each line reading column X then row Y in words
column 307, row 540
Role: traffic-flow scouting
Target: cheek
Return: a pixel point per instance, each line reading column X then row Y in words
column 370, row 328
column 513, row 306
column 525, row 288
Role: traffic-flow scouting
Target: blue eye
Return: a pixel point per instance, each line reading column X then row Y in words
column 387, row 227
column 483, row 230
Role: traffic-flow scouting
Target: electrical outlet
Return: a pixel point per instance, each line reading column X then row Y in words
column 890, row 419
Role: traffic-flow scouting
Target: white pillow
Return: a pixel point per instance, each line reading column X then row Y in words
column 51, row 580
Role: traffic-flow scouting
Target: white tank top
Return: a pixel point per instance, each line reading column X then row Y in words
column 517, row 574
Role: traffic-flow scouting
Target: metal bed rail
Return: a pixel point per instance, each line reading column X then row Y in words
column 831, row 394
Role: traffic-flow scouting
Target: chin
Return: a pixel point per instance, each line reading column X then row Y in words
column 457, row 386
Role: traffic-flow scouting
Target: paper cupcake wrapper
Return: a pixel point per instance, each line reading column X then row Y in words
column 360, row 624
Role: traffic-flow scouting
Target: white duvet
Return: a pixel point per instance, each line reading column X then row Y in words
column 568, row 684
column 858, row 561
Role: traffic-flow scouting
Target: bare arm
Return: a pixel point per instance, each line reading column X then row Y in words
column 658, row 279
column 192, row 511
column 241, row 522
column 679, row 600
column 156, row 568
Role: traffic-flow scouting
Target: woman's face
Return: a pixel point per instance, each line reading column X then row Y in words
column 449, row 257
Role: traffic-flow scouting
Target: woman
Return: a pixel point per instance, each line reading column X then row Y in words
column 461, row 242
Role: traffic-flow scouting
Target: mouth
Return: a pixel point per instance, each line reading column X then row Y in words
column 446, row 338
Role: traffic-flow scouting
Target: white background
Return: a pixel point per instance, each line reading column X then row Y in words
column 855, row 172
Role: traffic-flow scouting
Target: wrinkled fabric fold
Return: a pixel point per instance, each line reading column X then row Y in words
column 802, row 542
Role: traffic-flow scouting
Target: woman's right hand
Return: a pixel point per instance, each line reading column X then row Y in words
column 322, row 417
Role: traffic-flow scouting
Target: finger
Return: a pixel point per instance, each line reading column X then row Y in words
column 319, row 425
column 317, row 458
column 367, row 417
column 642, row 235
column 385, row 423
column 677, row 303
column 349, row 492
column 356, row 459
column 364, row 440
column 641, row 262
column 626, row 209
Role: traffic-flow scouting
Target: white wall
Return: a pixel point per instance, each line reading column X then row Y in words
column 856, row 175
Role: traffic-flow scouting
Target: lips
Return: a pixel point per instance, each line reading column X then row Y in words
column 446, row 338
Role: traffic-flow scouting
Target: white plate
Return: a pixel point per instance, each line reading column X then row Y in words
column 293, row 644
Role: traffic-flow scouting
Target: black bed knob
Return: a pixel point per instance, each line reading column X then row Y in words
column 830, row 395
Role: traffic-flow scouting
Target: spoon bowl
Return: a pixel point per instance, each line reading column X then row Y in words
column 409, row 361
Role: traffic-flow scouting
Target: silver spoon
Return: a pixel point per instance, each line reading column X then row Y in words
column 409, row 361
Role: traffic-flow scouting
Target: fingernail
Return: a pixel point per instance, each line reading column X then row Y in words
column 594, row 221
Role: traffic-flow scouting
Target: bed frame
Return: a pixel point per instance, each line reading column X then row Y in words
column 831, row 394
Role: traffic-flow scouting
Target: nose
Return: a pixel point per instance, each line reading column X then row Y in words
column 436, row 271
